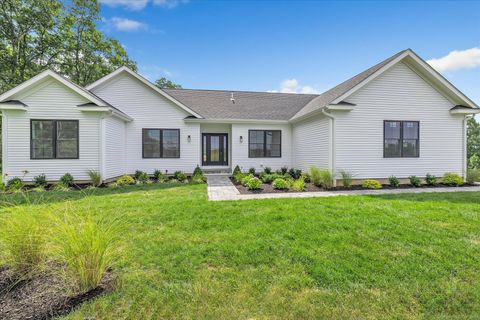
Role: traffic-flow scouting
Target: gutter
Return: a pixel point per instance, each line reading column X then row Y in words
column 332, row 143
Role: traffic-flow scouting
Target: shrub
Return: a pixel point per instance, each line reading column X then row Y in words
column 295, row 173
column 284, row 170
column 473, row 175
column 267, row 170
column 393, row 181
column 298, row 185
column 197, row 171
column 253, row 183
column 15, row 185
column 23, row 241
column 267, row 178
column 474, row 162
column 431, row 180
column 415, row 181
column 236, row 170
column 321, row 177
column 306, row 177
column 67, row 180
column 141, row 176
column 452, row 179
column 280, row 184
column 95, row 178
column 198, row 178
column 347, row 178
column 247, row 178
column 125, row 180
column 87, row 248
column 251, row 171
column 180, row 176
column 371, row 184
column 137, row 174
column 159, row 176
column 238, row 177
column 40, row 181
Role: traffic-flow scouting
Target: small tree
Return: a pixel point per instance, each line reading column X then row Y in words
column 164, row 83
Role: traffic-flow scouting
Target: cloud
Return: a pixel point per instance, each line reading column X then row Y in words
column 457, row 60
column 140, row 4
column 293, row 86
column 124, row 24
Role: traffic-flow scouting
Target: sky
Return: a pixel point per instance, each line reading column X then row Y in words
column 292, row 46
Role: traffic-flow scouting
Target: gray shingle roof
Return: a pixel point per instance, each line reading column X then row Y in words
column 217, row 104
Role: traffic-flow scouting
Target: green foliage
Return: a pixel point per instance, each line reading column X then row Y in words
column 15, row 185
column 164, row 83
column 473, row 175
column 299, row 185
column 431, row 180
column 474, row 162
column 306, row 176
column 452, row 179
column 393, row 181
column 284, row 170
column 179, row 176
column 347, row 178
column 22, row 239
column 61, row 187
column 198, row 178
column 251, row 171
column 236, row 170
column 295, row 173
column 253, row 183
column 138, row 174
column 267, row 170
column 246, row 178
column 415, row 181
column 95, row 178
column 67, row 180
column 40, row 181
column 141, row 176
column 371, row 184
column 125, row 180
column 473, row 139
column 197, row 171
column 238, row 177
column 280, row 184
column 159, row 176
column 321, row 177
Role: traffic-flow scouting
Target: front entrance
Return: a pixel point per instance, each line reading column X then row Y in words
column 215, row 149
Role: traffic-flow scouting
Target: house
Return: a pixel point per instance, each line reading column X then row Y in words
column 400, row 117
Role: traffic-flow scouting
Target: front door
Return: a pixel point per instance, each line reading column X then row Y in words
column 215, row 149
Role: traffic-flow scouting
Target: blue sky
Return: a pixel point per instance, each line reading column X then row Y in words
column 297, row 46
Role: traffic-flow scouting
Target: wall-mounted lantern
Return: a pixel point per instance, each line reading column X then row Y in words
column 189, row 138
column 241, row 139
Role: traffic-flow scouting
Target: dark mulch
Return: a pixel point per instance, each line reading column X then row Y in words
column 41, row 297
column 309, row 187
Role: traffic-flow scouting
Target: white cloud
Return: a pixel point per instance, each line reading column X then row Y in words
column 293, row 86
column 456, row 60
column 140, row 4
column 124, row 24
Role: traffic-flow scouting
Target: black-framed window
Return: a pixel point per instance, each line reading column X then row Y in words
column 401, row 139
column 264, row 143
column 54, row 139
column 161, row 143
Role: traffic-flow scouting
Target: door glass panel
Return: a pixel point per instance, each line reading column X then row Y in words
column 214, row 148
column 225, row 150
column 204, row 152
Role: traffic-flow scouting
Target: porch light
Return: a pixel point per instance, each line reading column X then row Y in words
column 189, row 138
column 241, row 139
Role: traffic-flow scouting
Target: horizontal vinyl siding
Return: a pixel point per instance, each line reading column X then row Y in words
column 115, row 148
column 240, row 150
column 398, row 94
column 150, row 110
column 311, row 142
column 54, row 101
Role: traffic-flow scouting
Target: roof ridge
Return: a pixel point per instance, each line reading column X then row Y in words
column 242, row 91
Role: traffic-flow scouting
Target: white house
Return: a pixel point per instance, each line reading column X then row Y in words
column 399, row 117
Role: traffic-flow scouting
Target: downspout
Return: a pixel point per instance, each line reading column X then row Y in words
column 332, row 143
column 465, row 158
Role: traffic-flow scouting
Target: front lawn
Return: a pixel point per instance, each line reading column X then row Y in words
column 411, row 256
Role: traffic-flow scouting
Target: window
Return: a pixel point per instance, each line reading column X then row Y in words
column 401, row 139
column 161, row 143
column 264, row 143
column 54, row 139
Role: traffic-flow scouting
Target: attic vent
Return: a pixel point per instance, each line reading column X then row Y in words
column 232, row 99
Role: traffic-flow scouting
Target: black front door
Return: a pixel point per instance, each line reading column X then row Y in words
column 215, row 149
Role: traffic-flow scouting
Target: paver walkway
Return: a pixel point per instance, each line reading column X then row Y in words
column 220, row 188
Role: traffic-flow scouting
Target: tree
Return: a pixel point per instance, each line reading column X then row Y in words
column 473, row 138
column 164, row 83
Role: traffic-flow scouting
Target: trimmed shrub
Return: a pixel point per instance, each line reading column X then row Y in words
column 40, row 181
column 431, row 180
column 197, row 171
column 295, row 173
column 142, row 177
column 267, row 170
column 67, row 180
column 251, row 171
column 371, row 184
column 280, row 184
column 137, row 174
column 473, row 175
column 415, row 181
column 393, row 181
column 95, row 178
column 347, row 178
column 452, row 179
column 253, row 183
column 236, row 170
column 159, row 176
column 198, row 178
column 247, row 178
column 15, row 185
column 238, row 177
column 283, row 170
column 298, row 185
column 179, row 176
column 125, row 180
column 267, row 178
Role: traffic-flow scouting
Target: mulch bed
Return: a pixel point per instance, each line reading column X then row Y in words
column 310, row 187
column 41, row 297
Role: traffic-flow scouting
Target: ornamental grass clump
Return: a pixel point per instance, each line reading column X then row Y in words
column 347, row 178
column 321, row 177
column 95, row 177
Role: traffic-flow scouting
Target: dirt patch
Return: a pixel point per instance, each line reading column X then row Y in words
column 41, row 297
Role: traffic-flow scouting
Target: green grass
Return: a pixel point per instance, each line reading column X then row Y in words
column 411, row 256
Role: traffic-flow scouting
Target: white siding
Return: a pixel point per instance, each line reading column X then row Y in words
column 115, row 148
column 240, row 150
column 311, row 142
column 398, row 94
column 150, row 110
column 50, row 100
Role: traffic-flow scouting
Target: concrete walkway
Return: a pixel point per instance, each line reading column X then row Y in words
column 220, row 188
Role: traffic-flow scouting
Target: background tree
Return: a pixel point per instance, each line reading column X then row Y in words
column 164, row 83
column 473, row 141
